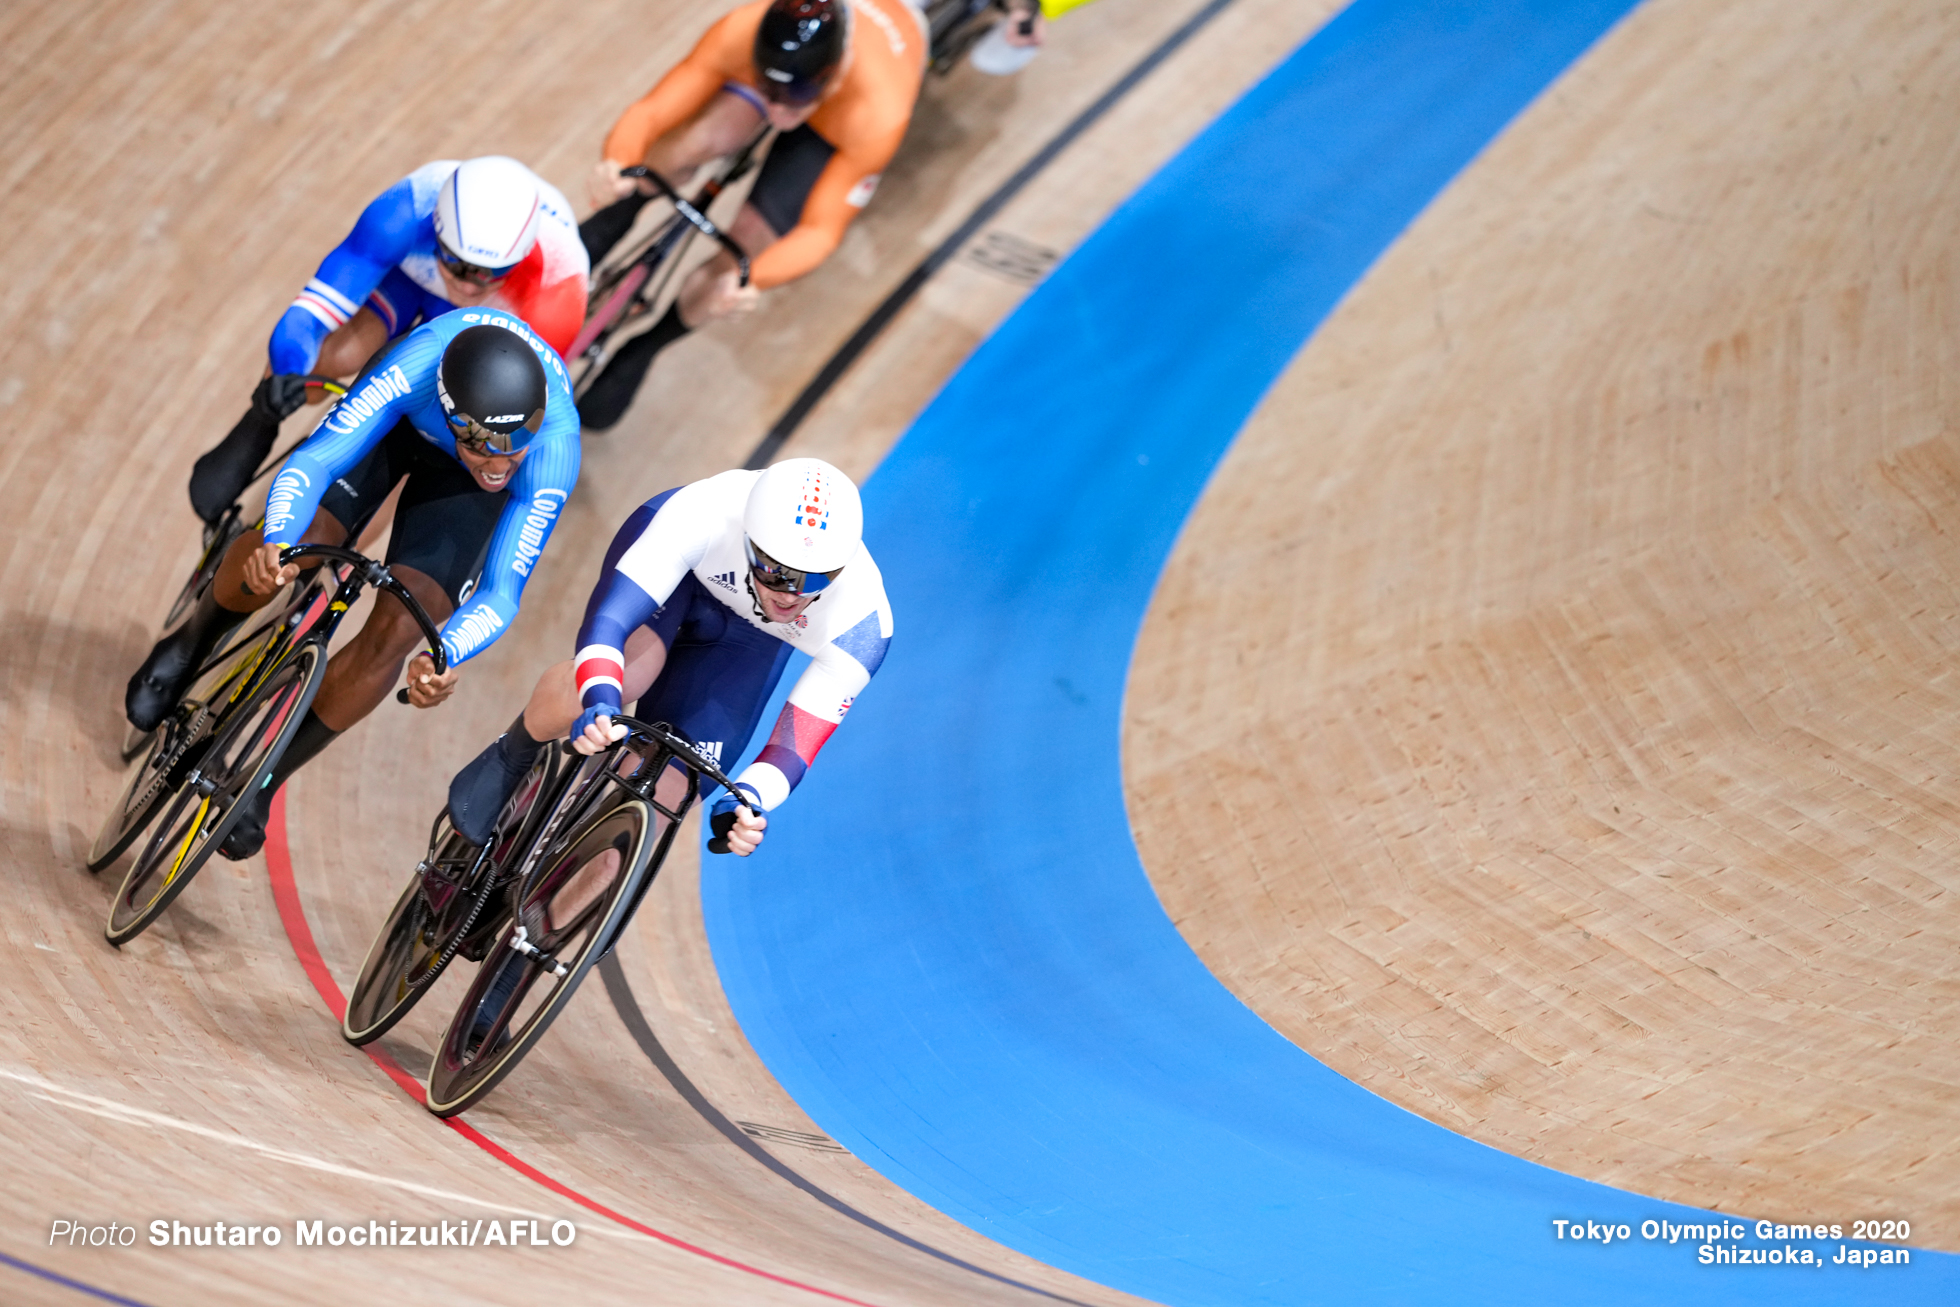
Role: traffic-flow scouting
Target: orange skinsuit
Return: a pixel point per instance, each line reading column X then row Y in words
column 863, row 118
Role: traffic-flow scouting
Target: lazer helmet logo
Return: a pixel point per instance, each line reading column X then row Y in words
column 505, row 417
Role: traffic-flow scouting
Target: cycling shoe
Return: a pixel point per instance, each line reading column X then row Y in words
column 479, row 792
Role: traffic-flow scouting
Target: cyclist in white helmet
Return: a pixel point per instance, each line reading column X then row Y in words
column 703, row 593
column 484, row 232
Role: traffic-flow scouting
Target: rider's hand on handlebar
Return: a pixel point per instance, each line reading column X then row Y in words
column 1024, row 24
column 726, row 297
column 600, row 733
column 740, row 829
column 425, row 688
column 282, row 394
column 605, row 185
column 263, row 573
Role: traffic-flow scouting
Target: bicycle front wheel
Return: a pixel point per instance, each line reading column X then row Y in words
column 444, row 900
column 575, row 903
column 247, row 739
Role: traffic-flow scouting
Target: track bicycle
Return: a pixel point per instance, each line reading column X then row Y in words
column 574, row 852
column 627, row 284
column 232, row 726
column 217, row 540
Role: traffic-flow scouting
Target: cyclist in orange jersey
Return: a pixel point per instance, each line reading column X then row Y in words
column 837, row 80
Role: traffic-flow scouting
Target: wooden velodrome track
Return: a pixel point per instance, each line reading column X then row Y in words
column 175, row 175
column 1603, row 794
column 1605, row 808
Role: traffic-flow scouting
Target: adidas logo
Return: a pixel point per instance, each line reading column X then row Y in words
column 725, row 580
column 710, row 749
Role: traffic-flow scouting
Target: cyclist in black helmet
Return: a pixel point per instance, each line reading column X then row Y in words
column 473, row 414
column 837, row 80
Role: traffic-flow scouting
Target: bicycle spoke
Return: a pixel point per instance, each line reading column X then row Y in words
column 217, row 777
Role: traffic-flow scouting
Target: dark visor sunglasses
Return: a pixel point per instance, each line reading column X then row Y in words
column 772, row 575
column 479, row 439
column 469, row 272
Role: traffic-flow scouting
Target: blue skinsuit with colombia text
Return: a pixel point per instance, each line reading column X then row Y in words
column 402, row 386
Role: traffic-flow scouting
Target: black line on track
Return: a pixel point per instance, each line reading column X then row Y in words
column 629, row 1011
column 617, row 988
column 868, row 331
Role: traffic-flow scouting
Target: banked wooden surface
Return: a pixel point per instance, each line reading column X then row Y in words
column 172, row 176
column 1548, row 719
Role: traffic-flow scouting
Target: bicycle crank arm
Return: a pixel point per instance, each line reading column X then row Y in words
column 522, row 943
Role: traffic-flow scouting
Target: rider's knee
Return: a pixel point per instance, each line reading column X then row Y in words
column 391, row 633
column 324, row 529
column 753, row 232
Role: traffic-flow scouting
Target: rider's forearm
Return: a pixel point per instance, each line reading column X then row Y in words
column 676, row 98
column 795, row 255
column 522, row 533
column 842, row 189
column 345, row 278
column 296, row 339
column 792, row 747
column 294, row 497
column 617, row 608
column 476, row 625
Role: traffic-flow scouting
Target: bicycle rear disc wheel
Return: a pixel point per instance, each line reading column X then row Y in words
column 575, row 903
column 246, row 740
column 420, row 936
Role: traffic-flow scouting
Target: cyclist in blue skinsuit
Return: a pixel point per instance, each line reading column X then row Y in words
column 476, row 412
column 486, row 233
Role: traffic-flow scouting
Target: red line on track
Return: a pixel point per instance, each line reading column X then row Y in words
column 285, row 894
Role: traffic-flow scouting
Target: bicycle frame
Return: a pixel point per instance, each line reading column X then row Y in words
column 225, row 740
column 642, row 783
column 627, row 286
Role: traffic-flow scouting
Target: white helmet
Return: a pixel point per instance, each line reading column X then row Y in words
column 487, row 213
column 803, row 519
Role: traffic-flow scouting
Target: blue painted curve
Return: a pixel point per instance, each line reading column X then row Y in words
column 949, row 953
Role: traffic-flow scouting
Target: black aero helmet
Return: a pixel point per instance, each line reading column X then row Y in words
column 492, row 389
column 797, row 48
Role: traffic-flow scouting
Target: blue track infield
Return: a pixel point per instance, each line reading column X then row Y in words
column 948, row 952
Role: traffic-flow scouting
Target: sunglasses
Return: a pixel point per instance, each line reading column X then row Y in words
column 469, row 272
column 481, row 440
column 772, row 575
